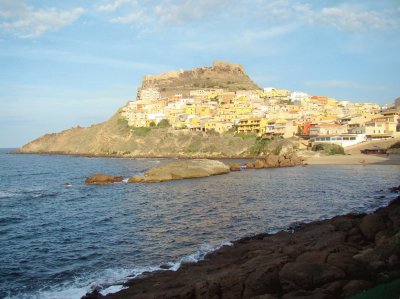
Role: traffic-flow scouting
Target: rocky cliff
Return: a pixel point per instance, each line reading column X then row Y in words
column 226, row 75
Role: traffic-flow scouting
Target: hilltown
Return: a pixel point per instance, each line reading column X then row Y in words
column 267, row 113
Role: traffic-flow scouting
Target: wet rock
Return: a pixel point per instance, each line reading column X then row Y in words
column 250, row 165
column 102, row 179
column 135, row 179
column 259, row 164
column 272, row 161
column 234, row 167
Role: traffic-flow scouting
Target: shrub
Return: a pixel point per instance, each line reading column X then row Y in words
column 164, row 123
column 141, row 131
column 245, row 136
column 123, row 126
column 328, row 148
column 259, row 146
column 212, row 132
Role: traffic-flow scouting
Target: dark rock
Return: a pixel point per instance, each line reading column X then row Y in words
column 329, row 240
column 313, row 257
column 308, row 275
column 345, row 261
column 302, row 294
column 370, row 225
column 354, row 287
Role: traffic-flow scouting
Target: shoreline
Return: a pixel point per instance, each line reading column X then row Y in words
column 332, row 258
column 347, row 159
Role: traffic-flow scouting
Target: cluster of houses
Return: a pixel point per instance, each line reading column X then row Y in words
column 267, row 113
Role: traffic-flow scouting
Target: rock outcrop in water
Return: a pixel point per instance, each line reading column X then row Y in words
column 103, row 179
column 272, row 161
column 182, row 169
column 333, row 258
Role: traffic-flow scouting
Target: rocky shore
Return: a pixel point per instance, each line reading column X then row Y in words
column 333, row 258
column 195, row 168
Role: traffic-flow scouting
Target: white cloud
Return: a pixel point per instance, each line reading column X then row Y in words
column 188, row 10
column 135, row 17
column 349, row 18
column 26, row 22
column 113, row 5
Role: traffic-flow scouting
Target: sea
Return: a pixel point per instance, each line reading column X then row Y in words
column 60, row 238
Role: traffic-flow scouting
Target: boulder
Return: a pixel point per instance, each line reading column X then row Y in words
column 272, row 161
column 234, row 167
column 250, row 165
column 308, row 275
column 135, row 179
column 182, row 169
column 259, row 164
column 370, row 225
column 102, row 179
column 355, row 287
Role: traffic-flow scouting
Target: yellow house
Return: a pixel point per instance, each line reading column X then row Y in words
column 190, row 110
column 179, row 125
column 385, row 126
column 242, row 110
column 249, row 126
column 203, row 110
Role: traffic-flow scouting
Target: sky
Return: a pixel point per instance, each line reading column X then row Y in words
column 75, row 62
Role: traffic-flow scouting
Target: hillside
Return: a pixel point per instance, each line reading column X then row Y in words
column 226, row 75
column 115, row 138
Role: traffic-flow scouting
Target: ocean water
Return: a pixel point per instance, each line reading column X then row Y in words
column 59, row 241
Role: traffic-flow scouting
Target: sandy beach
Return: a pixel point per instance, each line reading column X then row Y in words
column 352, row 159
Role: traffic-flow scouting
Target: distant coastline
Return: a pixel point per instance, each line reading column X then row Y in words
column 353, row 159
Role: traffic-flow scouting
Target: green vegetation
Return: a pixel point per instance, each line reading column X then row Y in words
column 259, row 146
column 164, row 123
column 193, row 148
column 212, row 132
column 388, row 291
column 328, row 149
column 395, row 145
column 141, row 131
column 122, row 126
column 245, row 136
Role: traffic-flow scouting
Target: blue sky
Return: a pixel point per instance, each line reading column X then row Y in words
column 69, row 63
